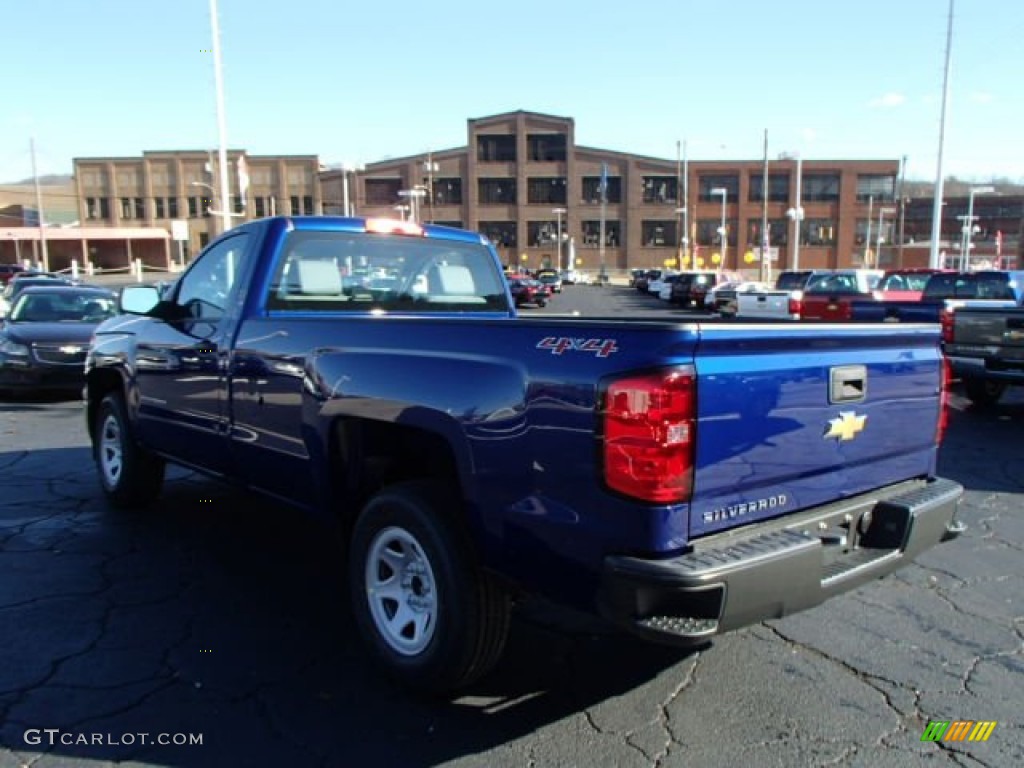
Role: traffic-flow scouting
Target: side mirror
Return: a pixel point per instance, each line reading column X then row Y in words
column 139, row 299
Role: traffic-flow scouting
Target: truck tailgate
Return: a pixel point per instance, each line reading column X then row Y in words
column 789, row 416
column 990, row 327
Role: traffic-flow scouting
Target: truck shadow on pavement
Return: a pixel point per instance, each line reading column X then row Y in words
column 219, row 613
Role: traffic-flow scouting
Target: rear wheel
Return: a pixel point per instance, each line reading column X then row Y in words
column 423, row 608
column 984, row 392
column 130, row 475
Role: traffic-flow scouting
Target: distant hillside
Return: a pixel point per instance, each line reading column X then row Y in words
column 954, row 187
column 49, row 180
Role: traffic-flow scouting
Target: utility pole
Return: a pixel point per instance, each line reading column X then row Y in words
column 766, row 258
column 903, row 209
column 44, row 254
column 933, row 259
column 218, row 78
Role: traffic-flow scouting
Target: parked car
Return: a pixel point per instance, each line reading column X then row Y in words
column 903, row 284
column 7, row 271
column 526, row 290
column 665, row 292
column 654, row 286
column 722, row 298
column 642, row 281
column 551, row 279
column 692, row 287
column 21, row 282
column 44, row 339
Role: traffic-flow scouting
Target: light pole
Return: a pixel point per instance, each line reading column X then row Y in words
column 968, row 227
column 218, row 79
column 348, row 208
column 867, row 237
column 430, row 167
column 721, row 230
column 414, row 196
column 881, row 239
column 559, row 212
column 683, row 239
column 796, row 213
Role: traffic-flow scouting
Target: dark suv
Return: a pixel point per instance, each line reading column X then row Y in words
column 7, row 271
column 691, row 288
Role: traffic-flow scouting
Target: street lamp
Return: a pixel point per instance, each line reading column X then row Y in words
column 796, row 213
column 968, row 228
column 559, row 212
column 414, row 195
column 722, row 231
column 878, row 248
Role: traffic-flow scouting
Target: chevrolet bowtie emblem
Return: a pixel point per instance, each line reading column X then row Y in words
column 845, row 426
column 70, row 349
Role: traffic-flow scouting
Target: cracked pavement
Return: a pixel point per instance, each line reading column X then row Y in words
column 222, row 614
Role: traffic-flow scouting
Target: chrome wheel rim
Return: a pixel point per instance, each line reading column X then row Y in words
column 111, row 452
column 401, row 591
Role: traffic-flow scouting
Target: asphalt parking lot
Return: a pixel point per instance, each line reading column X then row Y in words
column 221, row 615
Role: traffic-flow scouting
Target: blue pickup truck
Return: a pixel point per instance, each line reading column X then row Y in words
column 680, row 479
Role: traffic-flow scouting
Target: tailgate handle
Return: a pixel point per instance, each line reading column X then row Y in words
column 848, row 384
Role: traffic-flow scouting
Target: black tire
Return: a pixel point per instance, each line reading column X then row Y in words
column 455, row 631
column 984, row 393
column 542, row 303
column 129, row 475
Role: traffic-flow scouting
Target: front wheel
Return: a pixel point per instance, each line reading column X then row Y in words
column 984, row 392
column 130, row 475
column 423, row 608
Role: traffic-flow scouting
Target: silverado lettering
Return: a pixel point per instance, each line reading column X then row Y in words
column 738, row 510
column 377, row 372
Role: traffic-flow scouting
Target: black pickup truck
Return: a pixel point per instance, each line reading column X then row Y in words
column 985, row 348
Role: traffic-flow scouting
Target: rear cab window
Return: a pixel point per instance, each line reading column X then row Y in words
column 344, row 271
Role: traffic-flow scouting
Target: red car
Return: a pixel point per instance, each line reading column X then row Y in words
column 903, row 284
column 529, row 291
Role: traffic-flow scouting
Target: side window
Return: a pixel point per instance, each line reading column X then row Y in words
column 205, row 288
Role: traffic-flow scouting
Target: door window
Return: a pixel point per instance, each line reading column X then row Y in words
column 204, row 290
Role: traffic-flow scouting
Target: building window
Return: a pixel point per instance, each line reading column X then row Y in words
column 818, row 232
column 820, row 187
column 495, row 149
column 778, row 230
column 126, row 207
column 545, row 233
column 549, row 191
column 172, row 207
column 707, row 231
column 382, row 191
column 158, row 208
column 204, row 240
column 706, row 183
column 660, row 189
column 862, row 227
column 592, row 189
column 546, row 147
column 497, row 191
column 236, row 204
column 294, row 203
column 447, row 192
column 591, row 232
column 95, row 208
column 880, row 187
column 307, row 205
column 455, row 224
column 501, row 233
column 140, row 208
column 196, row 207
column 778, row 187
column 657, row 234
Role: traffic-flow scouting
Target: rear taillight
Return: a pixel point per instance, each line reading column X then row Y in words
column 649, row 434
column 796, row 307
column 945, row 378
column 946, row 319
